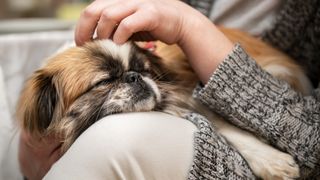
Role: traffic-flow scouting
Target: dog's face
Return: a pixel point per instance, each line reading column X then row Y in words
column 79, row 86
column 121, row 80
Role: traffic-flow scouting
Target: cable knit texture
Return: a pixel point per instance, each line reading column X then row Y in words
column 249, row 97
column 214, row 158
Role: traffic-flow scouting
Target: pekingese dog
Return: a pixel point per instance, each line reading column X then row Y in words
column 80, row 85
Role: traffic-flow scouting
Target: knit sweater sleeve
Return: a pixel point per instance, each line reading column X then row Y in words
column 214, row 158
column 251, row 98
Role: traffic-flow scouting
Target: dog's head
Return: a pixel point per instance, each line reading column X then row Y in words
column 82, row 84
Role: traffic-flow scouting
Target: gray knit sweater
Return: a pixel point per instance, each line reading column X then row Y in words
column 252, row 99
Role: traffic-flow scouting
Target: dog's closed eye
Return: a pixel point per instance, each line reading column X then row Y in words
column 105, row 81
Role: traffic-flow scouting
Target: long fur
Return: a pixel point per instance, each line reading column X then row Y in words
column 79, row 86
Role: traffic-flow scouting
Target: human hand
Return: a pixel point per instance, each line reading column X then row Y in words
column 163, row 20
column 170, row 21
column 36, row 156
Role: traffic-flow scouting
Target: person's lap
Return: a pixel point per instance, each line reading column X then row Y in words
column 130, row 146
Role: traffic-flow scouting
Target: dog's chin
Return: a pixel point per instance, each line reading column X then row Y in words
column 140, row 97
column 146, row 104
column 146, row 97
column 137, row 103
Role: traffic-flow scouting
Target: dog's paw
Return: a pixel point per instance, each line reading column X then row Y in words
column 278, row 166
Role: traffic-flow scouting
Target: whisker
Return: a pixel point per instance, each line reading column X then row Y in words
column 98, row 115
column 161, row 75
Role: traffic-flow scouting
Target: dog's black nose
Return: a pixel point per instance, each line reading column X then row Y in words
column 131, row 77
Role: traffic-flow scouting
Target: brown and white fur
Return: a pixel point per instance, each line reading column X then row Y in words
column 79, row 86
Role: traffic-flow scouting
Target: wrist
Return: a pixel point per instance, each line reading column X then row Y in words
column 204, row 45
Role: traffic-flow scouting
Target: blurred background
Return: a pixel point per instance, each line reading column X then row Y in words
column 38, row 15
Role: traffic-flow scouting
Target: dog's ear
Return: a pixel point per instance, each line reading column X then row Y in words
column 37, row 103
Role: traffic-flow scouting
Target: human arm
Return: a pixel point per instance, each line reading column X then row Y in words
column 254, row 100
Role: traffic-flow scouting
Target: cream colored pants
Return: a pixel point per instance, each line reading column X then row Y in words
column 137, row 146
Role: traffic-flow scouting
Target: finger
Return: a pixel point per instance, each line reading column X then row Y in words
column 110, row 18
column 25, row 158
column 46, row 162
column 54, row 156
column 41, row 146
column 137, row 22
column 36, row 155
column 88, row 21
